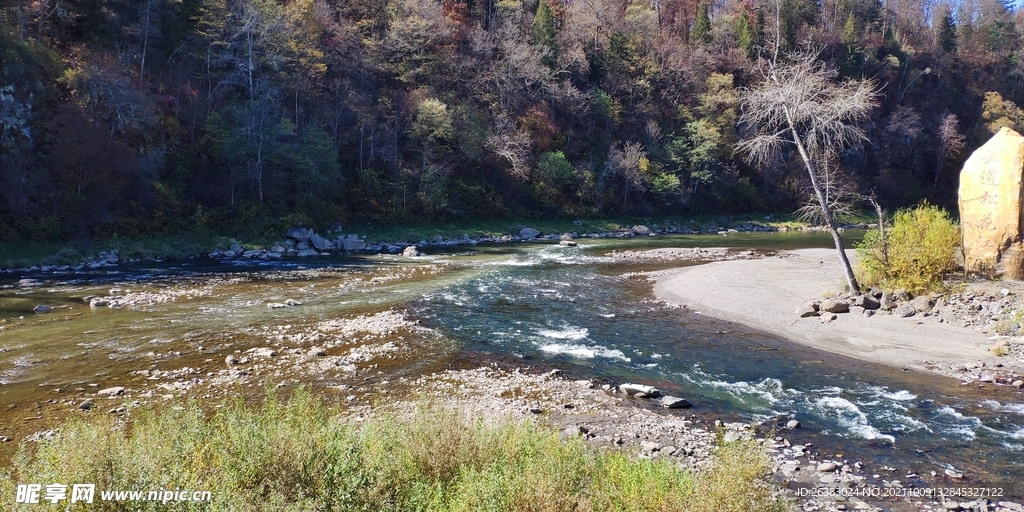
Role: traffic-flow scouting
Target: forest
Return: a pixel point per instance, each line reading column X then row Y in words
column 136, row 117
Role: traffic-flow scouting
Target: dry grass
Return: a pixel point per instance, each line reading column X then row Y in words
column 300, row 455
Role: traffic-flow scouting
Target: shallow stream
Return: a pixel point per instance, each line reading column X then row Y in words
column 569, row 307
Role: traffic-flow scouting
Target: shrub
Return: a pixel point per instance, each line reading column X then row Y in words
column 300, row 455
column 918, row 250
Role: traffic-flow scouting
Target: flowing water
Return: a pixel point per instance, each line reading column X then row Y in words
column 573, row 308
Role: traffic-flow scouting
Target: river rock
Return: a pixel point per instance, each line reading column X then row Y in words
column 292, row 302
column 641, row 230
column 834, row 306
column 305, row 253
column 887, row 302
column 567, row 243
column 353, row 243
column 632, row 389
column 320, row 243
column 278, row 249
column 42, row 308
column 237, row 249
column 98, row 302
column 826, row 467
column 264, row 352
column 528, row 233
column 231, row 359
column 792, row 425
column 1018, row 384
column 114, row 391
column 990, row 207
column 85, row 406
column 299, row 234
column 954, row 474
column 904, row 311
column 921, row 304
column 807, row 310
column 866, row 301
column 671, row 402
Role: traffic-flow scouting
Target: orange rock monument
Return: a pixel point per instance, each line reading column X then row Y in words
column 990, row 207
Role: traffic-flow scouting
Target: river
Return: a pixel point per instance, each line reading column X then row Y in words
column 569, row 307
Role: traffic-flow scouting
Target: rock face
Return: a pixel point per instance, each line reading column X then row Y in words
column 990, row 207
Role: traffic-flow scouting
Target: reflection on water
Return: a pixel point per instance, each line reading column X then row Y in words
column 572, row 307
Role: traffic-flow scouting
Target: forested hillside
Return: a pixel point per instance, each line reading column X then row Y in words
column 157, row 116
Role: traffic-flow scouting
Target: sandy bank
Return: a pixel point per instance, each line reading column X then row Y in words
column 764, row 294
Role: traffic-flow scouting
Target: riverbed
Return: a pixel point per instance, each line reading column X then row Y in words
column 573, row 308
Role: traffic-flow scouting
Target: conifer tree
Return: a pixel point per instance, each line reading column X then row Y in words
column 745, row 36
column 543, row 32
column 702, row 27
column 947, row 33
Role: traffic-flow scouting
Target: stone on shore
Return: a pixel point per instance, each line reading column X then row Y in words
column 299, row 234
column 921, row 304
column 904, row 311
column 671, row 402
column 567, row 243
column 807, row 310
column 320, row 243
column 231, row 359
column 1018, row 384
column 990, row 207
column 633, row 389
column 641, row 230
column 114, row 391
column 528, row 233
column 792, row 425
column 826, row 467
column 42, row 308
column 307, row 253
column 411, row 251
column 866, row 301
column 835, row 306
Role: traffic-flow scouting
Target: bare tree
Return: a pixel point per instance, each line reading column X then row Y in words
column 951, row 141
column 800, row 103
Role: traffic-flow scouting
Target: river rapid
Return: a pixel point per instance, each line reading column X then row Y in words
column 573, row 308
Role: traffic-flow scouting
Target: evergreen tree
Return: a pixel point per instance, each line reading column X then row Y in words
column 946, row 36
column 702, row 27
column 745, row 36
column 543, row 33
column 852, row 52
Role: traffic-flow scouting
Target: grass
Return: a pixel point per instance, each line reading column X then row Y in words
column 299, row 455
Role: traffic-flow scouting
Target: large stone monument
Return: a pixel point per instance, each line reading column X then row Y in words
column 990, row 207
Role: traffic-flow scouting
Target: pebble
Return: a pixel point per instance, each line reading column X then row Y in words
column 954, row 474
column 231, row 359
column 826, row 467
column 85, row 406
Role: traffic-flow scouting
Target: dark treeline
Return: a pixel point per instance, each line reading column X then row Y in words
column 158, row 116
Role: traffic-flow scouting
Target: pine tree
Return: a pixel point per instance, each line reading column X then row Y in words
column 702, row 27
column 852, row 53
column 543, row 33
column 745, row 36
column 946, row 36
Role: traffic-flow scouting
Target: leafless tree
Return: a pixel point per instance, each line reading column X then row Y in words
column 512, row 144
column 800, row 103
column 951, row 141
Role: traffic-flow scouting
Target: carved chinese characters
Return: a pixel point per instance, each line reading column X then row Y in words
column 990, row 207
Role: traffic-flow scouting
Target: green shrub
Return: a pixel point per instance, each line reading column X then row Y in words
column 300, row 455
column 918, row 250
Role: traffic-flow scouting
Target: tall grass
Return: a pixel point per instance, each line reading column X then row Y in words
column 298, row 455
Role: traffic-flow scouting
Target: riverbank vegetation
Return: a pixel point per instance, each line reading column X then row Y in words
column 915, row 253
column 162, row 117
column 300, row 454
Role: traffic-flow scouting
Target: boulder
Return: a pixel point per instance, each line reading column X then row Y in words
column 308, row 252
column 792, row 425
column 303, row 246
column 353, row 244
column 641, row 230
column 905, row 311
column 990, row 207
column 528, row 233
column 320, row 243
column 42, row 308
column 826, row 467
column 835, row 306
column 866, row 301
column 887, row 302
column 807, row 310
column 278, row 249
column 411, row 251
column 632, row 389
column 98, row 302
column 237, row 249
column 1018, row 384
column 114, row 391
column 921, row 304
column 671, row 402
column 299, row 234
column 567, row 243
column 566, row 236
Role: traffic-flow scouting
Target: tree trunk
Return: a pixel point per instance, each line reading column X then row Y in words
column 851, row 280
